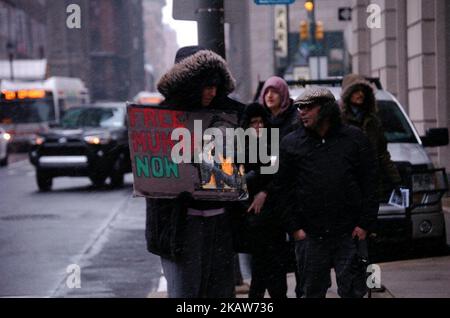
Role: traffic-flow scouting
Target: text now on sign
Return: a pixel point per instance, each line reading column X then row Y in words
column 273, row 2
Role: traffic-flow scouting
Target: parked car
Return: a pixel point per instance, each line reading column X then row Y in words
column 90, row 141
column 423, row 220
column 4, row 141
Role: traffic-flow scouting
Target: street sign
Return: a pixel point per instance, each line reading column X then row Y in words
column 273, row 2
column 281, row 31
column 345, row 14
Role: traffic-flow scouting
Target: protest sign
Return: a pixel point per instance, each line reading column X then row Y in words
column 159, row 135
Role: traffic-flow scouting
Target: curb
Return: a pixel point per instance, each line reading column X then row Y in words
column 385, row 294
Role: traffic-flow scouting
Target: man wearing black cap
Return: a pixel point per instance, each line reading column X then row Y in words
column 328, row 172
column 193, row 237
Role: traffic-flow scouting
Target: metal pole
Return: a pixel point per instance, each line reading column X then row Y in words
column 211, row 32
column 11, row 66
column 314, row 40
column 312, row 35
column 10, row 47
column 288, row 62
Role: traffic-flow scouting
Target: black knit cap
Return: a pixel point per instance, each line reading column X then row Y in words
column 187, row 51
column 254, row 110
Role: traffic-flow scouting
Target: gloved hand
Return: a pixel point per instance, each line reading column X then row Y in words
column 185, row 198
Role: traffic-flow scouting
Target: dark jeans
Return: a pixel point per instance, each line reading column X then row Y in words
column 206, row 267
column 269, row 268
column 315, row 259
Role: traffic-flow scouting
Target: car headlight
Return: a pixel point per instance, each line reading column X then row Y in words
column 38, row 140
column 428, row 187
column 97, row 140
column 7, row 136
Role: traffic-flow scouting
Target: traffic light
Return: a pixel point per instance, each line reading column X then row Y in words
column 309, row 5
column 304, row 30
column 319, row 31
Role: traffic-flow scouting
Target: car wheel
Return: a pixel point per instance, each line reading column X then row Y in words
column 4, row 162
column 98, row 180
column 44, row 181
column 117, row 175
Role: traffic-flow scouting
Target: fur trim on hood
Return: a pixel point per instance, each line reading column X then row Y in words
column 185, row 81
column 352, row 83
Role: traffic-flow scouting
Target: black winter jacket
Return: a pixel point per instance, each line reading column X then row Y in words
column 181, row 86
column 287, row 121
column 328, row 185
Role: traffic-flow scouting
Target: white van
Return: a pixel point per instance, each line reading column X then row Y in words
column 27, row 108
column 148, row 98
column 423, row 220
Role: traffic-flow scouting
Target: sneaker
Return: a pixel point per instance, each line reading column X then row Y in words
column 242, row 289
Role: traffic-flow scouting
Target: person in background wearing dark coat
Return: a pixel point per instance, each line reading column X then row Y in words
column 328, row 174
column 284, row 116
column 268, row 246
column 359, row 109
column 193, row 237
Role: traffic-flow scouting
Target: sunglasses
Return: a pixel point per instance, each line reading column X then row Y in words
column 306, row 107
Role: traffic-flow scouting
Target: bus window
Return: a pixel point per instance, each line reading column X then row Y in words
column 27, row 111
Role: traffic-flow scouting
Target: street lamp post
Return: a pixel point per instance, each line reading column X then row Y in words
column 211, row 33
column 311, row 9
column 10, row 48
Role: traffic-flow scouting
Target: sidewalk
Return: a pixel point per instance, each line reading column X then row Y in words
column 422, row 278
column 417, row 278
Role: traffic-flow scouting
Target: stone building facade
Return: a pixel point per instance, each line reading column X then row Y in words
column 411, row 55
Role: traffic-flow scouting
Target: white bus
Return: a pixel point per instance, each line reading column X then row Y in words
column 27, row 108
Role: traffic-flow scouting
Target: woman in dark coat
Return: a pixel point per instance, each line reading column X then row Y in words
column 268, row 245
column 284, row 116
column 359, row 109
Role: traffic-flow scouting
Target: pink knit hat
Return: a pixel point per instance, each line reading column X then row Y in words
column 281, row 87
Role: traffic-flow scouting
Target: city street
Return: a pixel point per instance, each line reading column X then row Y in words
column 101, row 230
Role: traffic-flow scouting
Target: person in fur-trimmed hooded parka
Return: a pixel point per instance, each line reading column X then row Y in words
column 359, row 109
column 193, row 237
